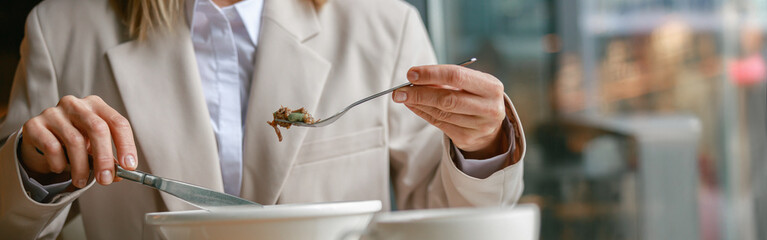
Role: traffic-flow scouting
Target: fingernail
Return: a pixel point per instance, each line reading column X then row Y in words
column 412, row 76
column 80, row 183
column 105, row 177
column 130, row 161
column 400, row 96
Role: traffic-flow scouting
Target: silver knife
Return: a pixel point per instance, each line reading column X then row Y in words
column 196, row 195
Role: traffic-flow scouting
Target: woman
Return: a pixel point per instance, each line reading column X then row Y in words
column 180, row 90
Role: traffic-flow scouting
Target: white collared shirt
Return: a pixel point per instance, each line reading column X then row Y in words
column 225, row 41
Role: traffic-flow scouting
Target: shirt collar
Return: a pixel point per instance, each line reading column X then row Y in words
column 250, row 12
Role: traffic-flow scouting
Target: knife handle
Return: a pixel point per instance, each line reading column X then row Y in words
column 137, row 176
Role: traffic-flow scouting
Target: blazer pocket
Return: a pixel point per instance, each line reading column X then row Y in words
column 341, row 145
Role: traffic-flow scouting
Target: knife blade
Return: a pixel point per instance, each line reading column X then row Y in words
column 195, row 195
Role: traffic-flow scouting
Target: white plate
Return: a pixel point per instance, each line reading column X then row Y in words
column 290, row 221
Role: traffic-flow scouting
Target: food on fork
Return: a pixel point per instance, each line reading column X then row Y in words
column 284, row 113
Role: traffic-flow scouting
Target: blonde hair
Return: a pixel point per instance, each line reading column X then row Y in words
column 145, row 16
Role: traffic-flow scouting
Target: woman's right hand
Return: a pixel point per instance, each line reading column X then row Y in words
column 61, row 138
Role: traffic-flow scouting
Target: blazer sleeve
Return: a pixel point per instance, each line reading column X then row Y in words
column 34, row 89
column 423, row 170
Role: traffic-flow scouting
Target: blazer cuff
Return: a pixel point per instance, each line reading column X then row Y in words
column 33, row 188
column 483, row 168
column 501, row 188
column 14, row 188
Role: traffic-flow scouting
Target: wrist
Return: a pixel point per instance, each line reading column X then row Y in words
column 492, row 148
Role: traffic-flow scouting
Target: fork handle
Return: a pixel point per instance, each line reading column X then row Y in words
column 377, row 95
column 464, row 63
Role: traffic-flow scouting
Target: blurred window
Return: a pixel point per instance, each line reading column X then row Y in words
column 632, row 109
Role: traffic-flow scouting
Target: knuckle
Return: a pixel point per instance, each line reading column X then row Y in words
column 34, row 122
column 68, row 100
column 499, row 95
column 414, row 97
column 443, row 115
column 57, row 168
column 127, row 146
column 98, row 126
column 76, row 106
column 52, row 147
column 490, row 111
column 119, row 121
column 498, row 88
column 448, row 101
column 500, row 115
column 74, row 138
column 94, row 98
column 104, row 161
column 456, row 76
column 498, row 85
column 500, row 112
column 49, row 112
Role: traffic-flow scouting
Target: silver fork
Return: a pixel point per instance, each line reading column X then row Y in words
column 331, row 119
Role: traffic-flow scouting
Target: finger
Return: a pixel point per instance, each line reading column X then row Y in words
column 97, row 132
column 121, row 131
column 451, row 130
column 444, row 99
column 74, row 143
column 50, row 146
column 465, row 139
column 100, row 140
column 36, row 137
column 479, row 126
column 462, row 120
column 467, row 79
column 32, row 160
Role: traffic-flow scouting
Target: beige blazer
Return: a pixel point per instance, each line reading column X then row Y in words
column 321, row 60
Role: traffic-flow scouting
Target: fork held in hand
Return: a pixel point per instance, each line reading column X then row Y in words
column 331, row 119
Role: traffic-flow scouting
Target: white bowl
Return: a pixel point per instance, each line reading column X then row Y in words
column 289, row 221
column 520, row 222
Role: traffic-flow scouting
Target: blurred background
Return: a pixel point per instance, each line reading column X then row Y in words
column 645, row 119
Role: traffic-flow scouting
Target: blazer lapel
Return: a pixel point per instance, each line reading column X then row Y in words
column 160, row 86
column 287, row 73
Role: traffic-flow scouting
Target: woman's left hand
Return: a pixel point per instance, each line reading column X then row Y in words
column 467, row 105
